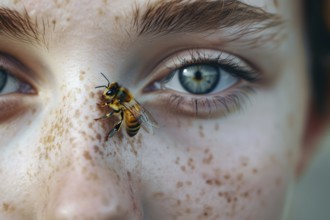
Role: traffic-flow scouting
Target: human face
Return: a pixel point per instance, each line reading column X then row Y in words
column 225, row 147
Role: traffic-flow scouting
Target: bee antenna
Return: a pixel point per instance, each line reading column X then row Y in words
column 97, row 87
column 105, row 77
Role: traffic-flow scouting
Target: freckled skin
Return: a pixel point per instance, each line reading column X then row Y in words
column 58, row 164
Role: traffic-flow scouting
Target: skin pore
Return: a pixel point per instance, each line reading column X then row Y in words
column 231, row 154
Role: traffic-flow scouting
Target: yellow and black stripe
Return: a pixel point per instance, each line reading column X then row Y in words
column 132, row 124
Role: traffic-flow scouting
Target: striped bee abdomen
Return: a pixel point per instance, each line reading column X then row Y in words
column 132, row 124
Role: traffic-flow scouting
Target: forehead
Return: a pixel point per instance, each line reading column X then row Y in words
column 101, row 19
column 58, row 8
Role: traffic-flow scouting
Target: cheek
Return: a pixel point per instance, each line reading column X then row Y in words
column 213, row 174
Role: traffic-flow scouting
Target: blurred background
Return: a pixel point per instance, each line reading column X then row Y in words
column 312, row 196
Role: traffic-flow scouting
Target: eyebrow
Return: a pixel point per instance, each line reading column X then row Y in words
column 177, row 16
column 20, row 26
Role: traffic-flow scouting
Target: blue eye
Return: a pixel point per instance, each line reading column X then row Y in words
column 201, row 82
column 199, row 79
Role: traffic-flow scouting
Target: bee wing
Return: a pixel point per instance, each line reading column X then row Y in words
column 141, row 114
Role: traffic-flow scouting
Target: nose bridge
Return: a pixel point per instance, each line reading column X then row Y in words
column 84, row 185
column 70, row 119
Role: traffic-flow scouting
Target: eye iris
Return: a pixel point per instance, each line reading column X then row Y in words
column 3, row 79
column 199, row 79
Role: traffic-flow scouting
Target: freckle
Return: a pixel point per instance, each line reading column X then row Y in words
column 191, row 163
column 227, row 176
column 255, row 170
column 91, row 94
column 209, row 182
column 188, row 210
column 54, row 22
column 189, row 183
column 208, row 160
column 179, row 184
column 97, row 150
column 244, row 161
column 240, row 177
column 158, row 195
column 87, row 156
column 217, row 182
column 34, row 110
column 5, row 206
column 90, row 125
column 117, row 18
column 177, row 161
column 99, row 137
column 259, row 192
column 129, row 175
column 93, row 176
column 8, row 207
column 178, row 202
column 183, row 168
column 246, row 194
column 100, row 12
column 81, row 77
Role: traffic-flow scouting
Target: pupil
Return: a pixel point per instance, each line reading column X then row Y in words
column 198, row 76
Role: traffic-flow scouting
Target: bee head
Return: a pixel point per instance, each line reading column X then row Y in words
column 111, row 91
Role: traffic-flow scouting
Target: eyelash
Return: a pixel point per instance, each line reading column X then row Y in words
column 209, row 104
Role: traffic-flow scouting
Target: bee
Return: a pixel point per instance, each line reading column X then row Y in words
column 122, row 103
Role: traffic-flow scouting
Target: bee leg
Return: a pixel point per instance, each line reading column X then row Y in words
column 102, row 105
column 117, row 126
column 104, row 116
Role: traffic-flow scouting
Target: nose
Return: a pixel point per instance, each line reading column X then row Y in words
column 99, row 194
column 84, row 184
column 78, row 182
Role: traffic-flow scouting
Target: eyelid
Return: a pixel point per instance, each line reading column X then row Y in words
column 212, row 106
